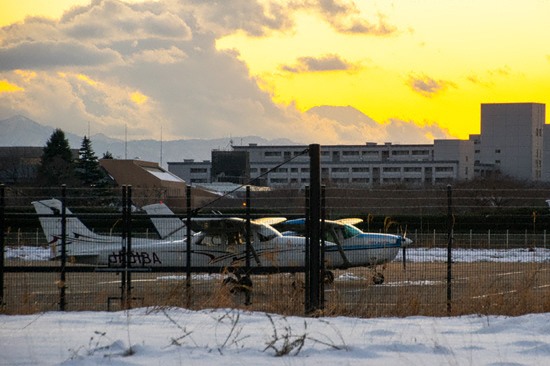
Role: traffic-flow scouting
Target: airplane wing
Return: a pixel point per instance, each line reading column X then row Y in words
column 269, row 220
column 350, row 221
column 167, row 224
column 230, row 226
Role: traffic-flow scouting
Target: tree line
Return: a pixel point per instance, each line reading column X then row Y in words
column 59, row 166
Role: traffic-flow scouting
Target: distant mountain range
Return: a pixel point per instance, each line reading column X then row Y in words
column 22, row 131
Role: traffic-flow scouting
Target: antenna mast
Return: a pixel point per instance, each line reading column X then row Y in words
column 161, row 145
column 125, row 142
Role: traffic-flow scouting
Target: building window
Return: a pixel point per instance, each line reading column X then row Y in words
column 350, row 153
column 391, row 170
column 272, row 153
column 279, row 180
column 444, row 169
column 340, row 180
column 497, row 151
column 360, row 170
column 199, row 170
column 400, row 152
column 340, row 170
column 412, row 169
column 421, row 152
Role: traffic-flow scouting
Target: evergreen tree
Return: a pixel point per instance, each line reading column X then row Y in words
column 107, row 155
column 56, row 166
column 87, row 166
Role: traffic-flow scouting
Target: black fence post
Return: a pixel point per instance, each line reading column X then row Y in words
column 247, row 281
column 449, row 247
column 315, row 228
column 2, row 240
column 188, row 247
column 122, row 254
column 322, row 254
column 307, row 259
column 62, row 299
column 129, row 255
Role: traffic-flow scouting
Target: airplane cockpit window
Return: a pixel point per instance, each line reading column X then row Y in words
column 222, row 239
column 350, row 231
column 266, row 233
column 331, row 236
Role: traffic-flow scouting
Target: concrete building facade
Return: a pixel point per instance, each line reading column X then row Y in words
column 512, row 142
column 191, row 171
column 512, row 139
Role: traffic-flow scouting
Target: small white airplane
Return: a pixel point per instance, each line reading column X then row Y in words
column 346, row 245
column 219, row 244
column 354, row 245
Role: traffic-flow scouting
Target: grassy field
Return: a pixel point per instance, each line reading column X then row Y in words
column 421, row 289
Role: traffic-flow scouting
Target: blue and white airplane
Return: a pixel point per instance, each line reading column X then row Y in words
column 352, row 245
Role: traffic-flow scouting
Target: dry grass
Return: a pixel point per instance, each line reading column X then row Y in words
column 477, row 288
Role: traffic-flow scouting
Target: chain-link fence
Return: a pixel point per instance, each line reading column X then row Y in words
column 125, row 250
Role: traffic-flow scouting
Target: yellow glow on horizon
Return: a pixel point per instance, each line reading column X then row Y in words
column 472, row 55
column 471, row 52
column 7, row 87
column 138, row 98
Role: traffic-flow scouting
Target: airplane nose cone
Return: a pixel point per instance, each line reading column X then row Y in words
column 406, row 242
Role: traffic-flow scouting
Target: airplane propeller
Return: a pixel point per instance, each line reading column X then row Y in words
column 404, row 254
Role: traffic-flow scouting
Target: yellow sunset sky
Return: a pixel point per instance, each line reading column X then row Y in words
column 429, row 62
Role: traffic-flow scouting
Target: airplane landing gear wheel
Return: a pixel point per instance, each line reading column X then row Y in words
column 378, row 278
column 329, row 277
column 240, row 284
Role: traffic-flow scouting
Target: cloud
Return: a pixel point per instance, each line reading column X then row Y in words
column 114, row 21
column 259, row 18
column 141, row 66
column 255, row 18
column 350, row 126
column 427, row 86
column 325, row 63
column 346, row 18
column 48, row 54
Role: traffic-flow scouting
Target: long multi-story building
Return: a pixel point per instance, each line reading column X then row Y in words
column 363, row 165
column 511, row 142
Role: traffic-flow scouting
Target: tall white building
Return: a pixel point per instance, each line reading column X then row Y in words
column 512, row 139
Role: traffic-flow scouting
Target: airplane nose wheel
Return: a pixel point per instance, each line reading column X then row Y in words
column 329, row 277
column 239, row 284
column 378, row 278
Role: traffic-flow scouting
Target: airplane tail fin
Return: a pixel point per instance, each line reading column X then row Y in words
column 167, row 224
column 49, row 212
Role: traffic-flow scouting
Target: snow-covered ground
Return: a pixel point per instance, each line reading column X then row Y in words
column 234, row 337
